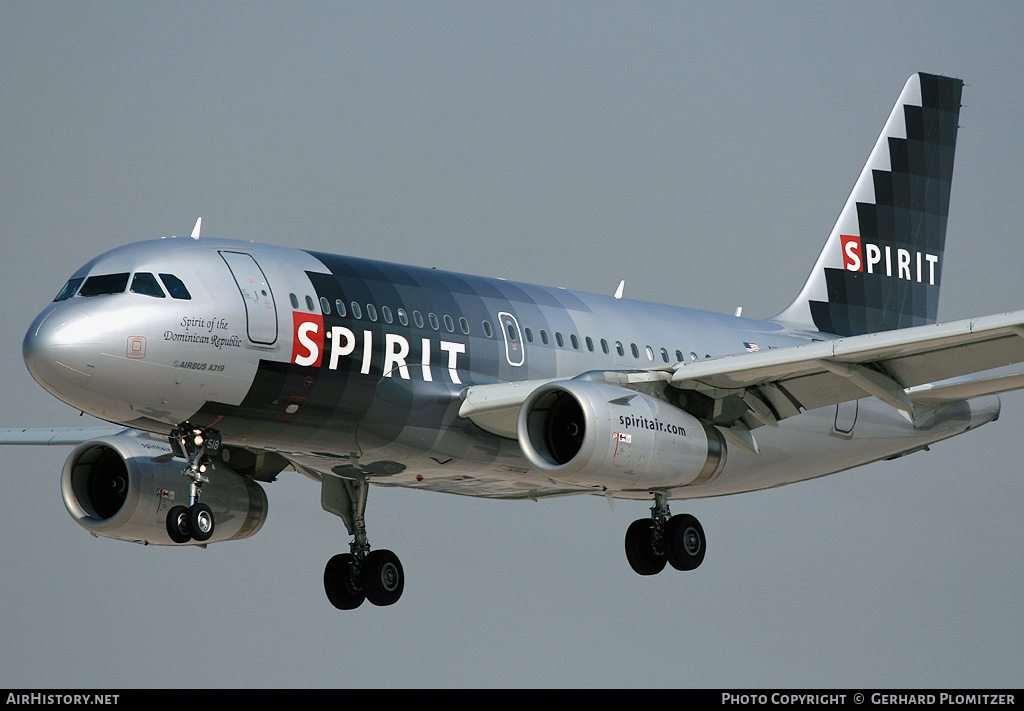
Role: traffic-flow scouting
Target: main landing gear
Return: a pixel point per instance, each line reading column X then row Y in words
column 361, row 574
column 195, row 521
column 663, row 538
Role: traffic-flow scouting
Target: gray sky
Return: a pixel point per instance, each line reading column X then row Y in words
column 701, row 152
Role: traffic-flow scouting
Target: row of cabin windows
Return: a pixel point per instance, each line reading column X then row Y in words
column 574, row 341
column 371, row 312
column 387, row 316
column 146, row 283
column 143, row 283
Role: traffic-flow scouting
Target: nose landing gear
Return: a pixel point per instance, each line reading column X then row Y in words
column 195, row 521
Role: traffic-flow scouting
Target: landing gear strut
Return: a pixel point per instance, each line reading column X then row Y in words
column 663, row 538
column 361, row 574
column 195, row 521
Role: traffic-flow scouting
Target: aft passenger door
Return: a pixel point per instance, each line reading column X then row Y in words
column 260, row 309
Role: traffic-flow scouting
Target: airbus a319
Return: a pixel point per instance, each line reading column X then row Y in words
column 220, row 364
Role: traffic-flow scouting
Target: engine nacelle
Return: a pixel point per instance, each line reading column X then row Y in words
column 582, row 432
column 122, row 486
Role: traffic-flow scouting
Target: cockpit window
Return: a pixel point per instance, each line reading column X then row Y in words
column 104, row 284
column 69, row 289
column 175, row 287
column 145, row 283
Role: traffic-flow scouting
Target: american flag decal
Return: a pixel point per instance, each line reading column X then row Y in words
column 751, row 347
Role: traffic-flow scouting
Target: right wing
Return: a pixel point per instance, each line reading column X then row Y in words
column 55, row 435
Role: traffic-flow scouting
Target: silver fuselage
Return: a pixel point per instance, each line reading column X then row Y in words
column 322, row 358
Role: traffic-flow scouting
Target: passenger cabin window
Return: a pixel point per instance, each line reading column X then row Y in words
column 339, row 306
column 325, row 305
column 102, row 284
column 146, row 284
column 175, row 287
column 69, row 289
column 309, row 303
column 295, row 300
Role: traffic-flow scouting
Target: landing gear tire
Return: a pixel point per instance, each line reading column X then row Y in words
column 685, row 544
column 177, row 525
column 200, row 522
column 383, row 577
column 642, row 550
column 342, row 582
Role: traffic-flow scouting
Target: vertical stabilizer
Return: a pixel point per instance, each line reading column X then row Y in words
column 881, row 267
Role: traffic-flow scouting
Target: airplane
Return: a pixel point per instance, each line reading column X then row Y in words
column 221, row 363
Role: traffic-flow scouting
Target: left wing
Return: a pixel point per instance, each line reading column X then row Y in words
column 748, row 390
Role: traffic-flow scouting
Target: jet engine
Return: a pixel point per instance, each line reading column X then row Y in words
column 123, row 485
column 583, row 432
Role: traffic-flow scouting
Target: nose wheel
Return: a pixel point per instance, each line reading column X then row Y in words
column 185, row 523
column 676, row 540
column 194, row 445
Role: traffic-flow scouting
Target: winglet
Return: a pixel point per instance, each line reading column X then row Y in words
column 619, row 288
column 195, row 230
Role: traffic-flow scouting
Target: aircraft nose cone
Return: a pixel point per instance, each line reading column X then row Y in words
column 61, row 348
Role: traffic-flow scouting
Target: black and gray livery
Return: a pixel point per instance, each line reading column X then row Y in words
column 232, row 361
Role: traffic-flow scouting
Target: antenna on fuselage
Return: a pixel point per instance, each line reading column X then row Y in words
column 195, row 230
